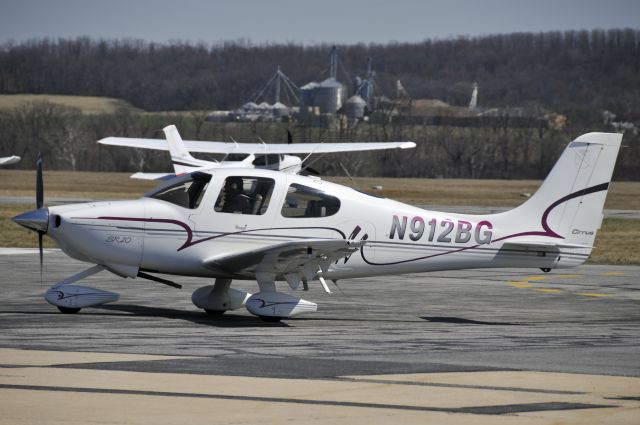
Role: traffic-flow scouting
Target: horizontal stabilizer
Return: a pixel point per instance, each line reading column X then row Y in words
column 535, row 245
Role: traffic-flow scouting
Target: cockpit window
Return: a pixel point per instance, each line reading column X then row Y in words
column 245, row 195
column 186, row 191
column 304, row 202
column 236, row 157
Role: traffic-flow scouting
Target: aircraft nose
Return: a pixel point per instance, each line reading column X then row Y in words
column 37, row 220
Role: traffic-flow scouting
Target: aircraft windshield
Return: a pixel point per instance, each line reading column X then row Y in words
column 306, row 202
column 186, row 191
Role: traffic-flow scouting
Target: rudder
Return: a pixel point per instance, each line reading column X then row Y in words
column 571, row 199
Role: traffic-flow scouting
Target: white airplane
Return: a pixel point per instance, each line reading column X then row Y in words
column 268, row 226
column 8, row 160
column 276, row 156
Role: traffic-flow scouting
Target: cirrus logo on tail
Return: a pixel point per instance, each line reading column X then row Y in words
column 582, row 232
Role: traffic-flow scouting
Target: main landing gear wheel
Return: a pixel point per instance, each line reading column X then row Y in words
column 270, row 319
column 68, row 310
column 216, row 313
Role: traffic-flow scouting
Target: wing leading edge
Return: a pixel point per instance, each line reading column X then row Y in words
column 257, row 148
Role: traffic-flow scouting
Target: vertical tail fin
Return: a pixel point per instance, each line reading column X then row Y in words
column 182, row 160
column 569, row 204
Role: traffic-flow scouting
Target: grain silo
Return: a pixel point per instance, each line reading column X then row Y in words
column 354, row 107
column 327, row 95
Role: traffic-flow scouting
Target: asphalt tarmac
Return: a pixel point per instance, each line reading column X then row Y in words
column 479, row 346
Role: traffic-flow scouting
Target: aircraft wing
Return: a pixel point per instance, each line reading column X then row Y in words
column 293, row 261
column 257, row 148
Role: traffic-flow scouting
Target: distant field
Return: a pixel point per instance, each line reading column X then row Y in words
column 86, row 185
column 616, row 243
column 87, row 104
column 483, row 193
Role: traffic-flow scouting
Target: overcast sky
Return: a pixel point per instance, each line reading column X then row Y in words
column 300, row 21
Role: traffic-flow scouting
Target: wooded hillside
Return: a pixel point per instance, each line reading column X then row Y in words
column 579, row 74
column 586, row 71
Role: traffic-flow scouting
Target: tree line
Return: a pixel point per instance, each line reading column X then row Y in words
column 577, row 72
column 67, row 138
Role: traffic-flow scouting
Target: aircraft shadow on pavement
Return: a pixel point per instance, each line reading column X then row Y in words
column 463, row 321
column 228, row 320
column 200, row 318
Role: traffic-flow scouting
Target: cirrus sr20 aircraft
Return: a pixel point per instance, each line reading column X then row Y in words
column 272, row 227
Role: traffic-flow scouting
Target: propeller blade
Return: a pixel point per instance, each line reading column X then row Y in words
column 39, row 184
column 289, row 137
column 39, row 204
column 40, row 235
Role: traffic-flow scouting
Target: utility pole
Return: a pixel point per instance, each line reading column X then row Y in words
column 369, row 85
column 333, row 68
column 278, row 77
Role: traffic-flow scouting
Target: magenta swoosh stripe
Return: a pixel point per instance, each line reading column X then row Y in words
column 547, row 230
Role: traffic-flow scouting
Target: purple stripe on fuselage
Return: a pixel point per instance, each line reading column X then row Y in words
column 547, row 230
column 190, row 242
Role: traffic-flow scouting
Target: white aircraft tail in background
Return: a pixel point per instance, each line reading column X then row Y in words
column 182, row 160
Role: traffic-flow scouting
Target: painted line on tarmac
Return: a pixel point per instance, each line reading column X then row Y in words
column 447, row 385
column 528, row 283
column 592, row 294
column 478, row 410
